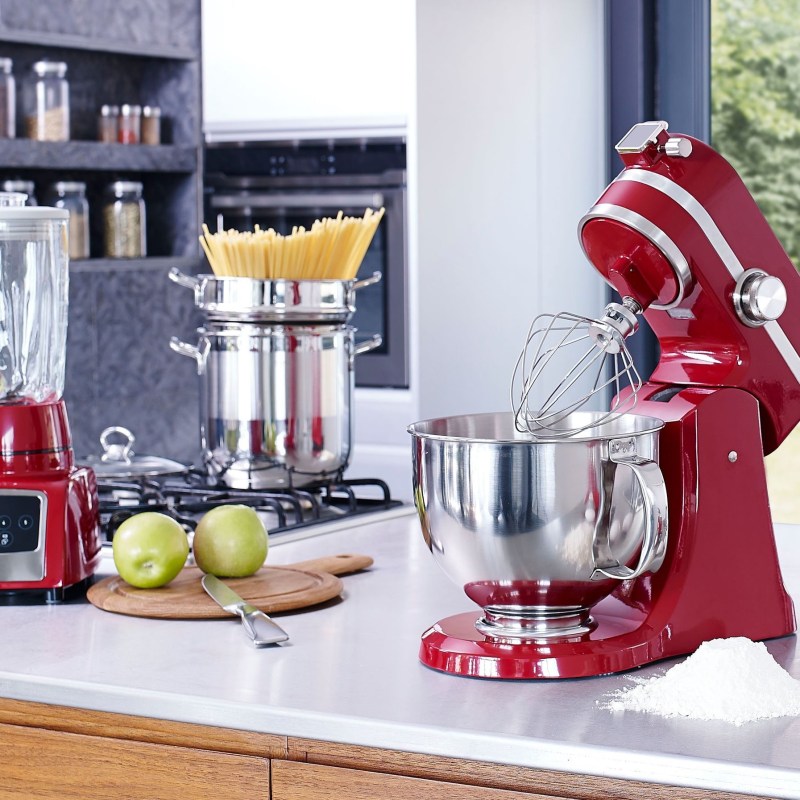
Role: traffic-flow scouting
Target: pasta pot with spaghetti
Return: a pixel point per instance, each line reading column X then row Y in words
column 262, row 276
column 275, row 356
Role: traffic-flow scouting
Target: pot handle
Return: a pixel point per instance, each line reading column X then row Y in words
column 374, row 278
column 197, row 353
column 654, row 539
column 188, row 281
column 369, row 344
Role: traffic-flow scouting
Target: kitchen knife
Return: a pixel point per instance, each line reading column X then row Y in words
column 260, row 628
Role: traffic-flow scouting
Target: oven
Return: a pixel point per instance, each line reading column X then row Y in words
column 280, row 185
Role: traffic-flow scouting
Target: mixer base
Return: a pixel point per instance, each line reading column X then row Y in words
column 618, row 643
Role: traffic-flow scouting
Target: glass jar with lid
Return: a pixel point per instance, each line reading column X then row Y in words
column 71, row 195
column 108, row 124
column 8, row 101
column 151, row 125
column 130, row 124
column 28, row 188
column 46, row 102
column 124, row 221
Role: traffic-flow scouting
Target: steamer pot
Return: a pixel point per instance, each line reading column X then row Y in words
column 275, row 401
column 281, row 301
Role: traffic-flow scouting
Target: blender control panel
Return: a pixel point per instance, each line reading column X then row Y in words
column 20, row 520
column 23, row 517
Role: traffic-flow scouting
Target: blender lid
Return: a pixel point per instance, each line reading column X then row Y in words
column 119, row 461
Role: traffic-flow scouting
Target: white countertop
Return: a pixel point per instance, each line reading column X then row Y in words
column 350, row 674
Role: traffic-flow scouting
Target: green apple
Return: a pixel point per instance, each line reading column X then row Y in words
column 149, row 549
column 230, row 541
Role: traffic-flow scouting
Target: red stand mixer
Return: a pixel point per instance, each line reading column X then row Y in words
column 680, row 238
column 49, row 514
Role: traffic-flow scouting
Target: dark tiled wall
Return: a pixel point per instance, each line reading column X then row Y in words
column 120, row 368
column 147, row 22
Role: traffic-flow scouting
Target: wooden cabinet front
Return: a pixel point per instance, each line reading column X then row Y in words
column 293, row 781
column 54, row 752
column 53, row 765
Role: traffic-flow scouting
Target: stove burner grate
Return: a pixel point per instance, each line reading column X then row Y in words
column 187, row 498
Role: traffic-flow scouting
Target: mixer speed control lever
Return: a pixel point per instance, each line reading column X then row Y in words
column 758, row 297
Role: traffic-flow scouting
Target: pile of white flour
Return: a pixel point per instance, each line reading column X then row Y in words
column 734, row 680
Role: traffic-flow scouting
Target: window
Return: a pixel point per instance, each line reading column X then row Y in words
column 755, row 113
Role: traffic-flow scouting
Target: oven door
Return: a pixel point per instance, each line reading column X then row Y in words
column 380, row 308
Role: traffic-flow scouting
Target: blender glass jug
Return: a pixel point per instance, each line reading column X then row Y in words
column 34, row 283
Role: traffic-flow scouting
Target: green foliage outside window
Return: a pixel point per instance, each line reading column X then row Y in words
column 755, row 104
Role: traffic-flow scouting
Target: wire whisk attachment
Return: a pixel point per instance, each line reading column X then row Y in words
column 569, row 363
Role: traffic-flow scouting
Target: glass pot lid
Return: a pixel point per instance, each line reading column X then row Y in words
column 119, row 461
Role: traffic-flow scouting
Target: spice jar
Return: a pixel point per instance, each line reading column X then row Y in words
column 46, row 102
column 22, row 187
column 8, row 102
column 151, row 125
column 130, row 124
column 124, row 221
column 71, row 195
column 108, row 124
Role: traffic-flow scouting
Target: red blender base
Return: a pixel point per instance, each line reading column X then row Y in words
column 49, row 515
column 720, row 577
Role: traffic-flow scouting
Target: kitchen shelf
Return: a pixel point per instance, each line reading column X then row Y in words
column 77, row 42
column 155, row 263
column 97, row 156
column 126, row 51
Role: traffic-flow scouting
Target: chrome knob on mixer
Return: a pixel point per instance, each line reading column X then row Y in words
column 758, row 297
column 678, row 147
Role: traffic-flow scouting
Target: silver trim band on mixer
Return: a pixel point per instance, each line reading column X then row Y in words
column 696, row 210
column 650, row 231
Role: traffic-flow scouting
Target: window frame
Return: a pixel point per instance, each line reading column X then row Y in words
column 658, row 66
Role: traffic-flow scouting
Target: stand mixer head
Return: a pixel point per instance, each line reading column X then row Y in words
column 678, row 235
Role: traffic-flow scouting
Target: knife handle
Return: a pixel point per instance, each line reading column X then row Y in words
column 261, row 629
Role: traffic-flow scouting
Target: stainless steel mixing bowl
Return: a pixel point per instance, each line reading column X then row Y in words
column 538, row 531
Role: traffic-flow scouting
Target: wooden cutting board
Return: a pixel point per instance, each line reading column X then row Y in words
column 278, row 588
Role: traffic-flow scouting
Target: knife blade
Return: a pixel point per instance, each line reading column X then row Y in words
column 259, row 627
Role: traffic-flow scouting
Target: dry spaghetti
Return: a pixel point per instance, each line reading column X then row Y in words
column 332, row 249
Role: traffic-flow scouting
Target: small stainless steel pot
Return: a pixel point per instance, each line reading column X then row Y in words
column 275, row 401
column 280, row 301
column 538, row 531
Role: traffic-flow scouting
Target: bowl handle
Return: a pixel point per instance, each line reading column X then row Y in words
column 654, row 539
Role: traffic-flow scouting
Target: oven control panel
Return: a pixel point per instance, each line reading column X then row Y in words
column 23, row 515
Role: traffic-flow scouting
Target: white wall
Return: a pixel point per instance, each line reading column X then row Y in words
column 510, row 154
column 285, row 65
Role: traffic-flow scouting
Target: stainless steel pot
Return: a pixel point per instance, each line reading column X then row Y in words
column 275, row 401
column 538, row 531
column 281, row 301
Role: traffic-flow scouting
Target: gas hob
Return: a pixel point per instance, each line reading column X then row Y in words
column 287, row 514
